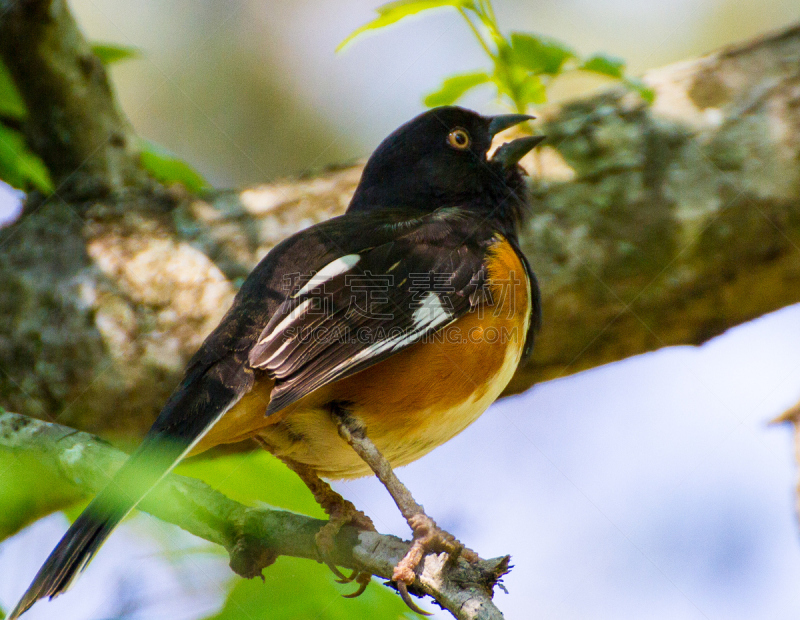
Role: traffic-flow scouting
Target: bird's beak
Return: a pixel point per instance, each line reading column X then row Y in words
column 504, row 121
column 511, row 152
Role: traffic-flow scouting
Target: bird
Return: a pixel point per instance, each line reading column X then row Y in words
column 358, row 344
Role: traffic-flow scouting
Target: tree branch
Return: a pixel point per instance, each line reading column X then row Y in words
column 653, row 226
column 254, row 537
column 792, row 416
column 73, row 122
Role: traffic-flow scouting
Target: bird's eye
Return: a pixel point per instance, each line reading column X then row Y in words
column 458, row 139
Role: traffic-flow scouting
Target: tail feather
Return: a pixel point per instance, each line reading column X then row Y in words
column 69, row 558
column 91, row 529
column 198, row 403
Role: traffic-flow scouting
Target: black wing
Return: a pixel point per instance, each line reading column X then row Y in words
column 364, row 307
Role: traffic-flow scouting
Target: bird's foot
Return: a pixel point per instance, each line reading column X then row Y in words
column 341, row 514
column 427, row 537
column 344, row 513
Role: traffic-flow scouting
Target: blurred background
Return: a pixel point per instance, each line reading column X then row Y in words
column 248, row 91
column 650, row 488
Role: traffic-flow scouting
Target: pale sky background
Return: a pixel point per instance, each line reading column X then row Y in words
column 653, row 488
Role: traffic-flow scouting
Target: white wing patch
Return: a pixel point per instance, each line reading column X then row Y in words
column 431, row 312
column 429, row 315
column 281, row 327
column 329, row 271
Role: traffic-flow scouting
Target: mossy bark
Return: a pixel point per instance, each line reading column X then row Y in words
column 651, row 226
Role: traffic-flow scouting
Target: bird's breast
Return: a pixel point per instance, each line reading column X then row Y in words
column 424, row 395
column 410, row 402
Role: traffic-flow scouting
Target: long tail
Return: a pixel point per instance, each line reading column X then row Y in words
column 195, row 406
column 90, row 530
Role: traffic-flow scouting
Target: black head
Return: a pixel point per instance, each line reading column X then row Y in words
column 439, row 159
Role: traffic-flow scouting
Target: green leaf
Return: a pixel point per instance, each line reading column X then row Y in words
column 29, row 490
column 393, row 12
column 520, row 85
column 539, row 55
column 605, row 65
column 254, row 477
column 109, row 53
column 531, row 91
column 645, row 92
column 167, row 168
column 11, row 104
column 453, row 88
column 19, row 167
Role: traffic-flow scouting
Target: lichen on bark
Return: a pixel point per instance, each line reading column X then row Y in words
column 651, row 226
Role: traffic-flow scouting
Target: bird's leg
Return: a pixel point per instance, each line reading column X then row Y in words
column 340, row 512
column 427, row 535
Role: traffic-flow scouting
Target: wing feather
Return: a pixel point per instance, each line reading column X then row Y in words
column 356, row 312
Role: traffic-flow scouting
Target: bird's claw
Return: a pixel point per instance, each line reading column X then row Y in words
column 362, row 579
column 340, row 576
column 427, row 537
column 402, row 588
column 358, row 576
column 326, row 544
